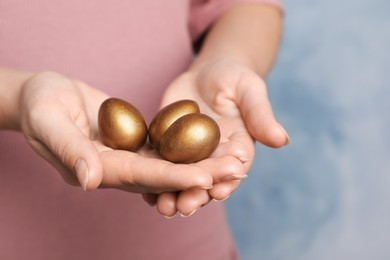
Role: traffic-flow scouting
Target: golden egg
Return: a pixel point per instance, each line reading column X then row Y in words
column 121, row 125
column 166, row 116
column 191, row 138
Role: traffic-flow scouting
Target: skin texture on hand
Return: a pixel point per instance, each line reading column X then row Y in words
column 236, row 98
column 58, row 117
column 226, row 79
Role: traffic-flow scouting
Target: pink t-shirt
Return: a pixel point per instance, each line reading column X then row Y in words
column 131, row 50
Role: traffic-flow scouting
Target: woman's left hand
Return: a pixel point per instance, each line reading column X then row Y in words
column 236, row 97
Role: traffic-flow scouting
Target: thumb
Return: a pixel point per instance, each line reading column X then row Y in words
column 257, row 113
column 80, row 155
column 69, row 150
column 87, row 166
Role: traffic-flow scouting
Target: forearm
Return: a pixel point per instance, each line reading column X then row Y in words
column 11, row 82
column 247, row 33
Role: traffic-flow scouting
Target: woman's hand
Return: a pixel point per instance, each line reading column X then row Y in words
column 240, row 45
column 236, row 97
column 58, row 117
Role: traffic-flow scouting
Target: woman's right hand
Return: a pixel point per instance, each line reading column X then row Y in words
column 58, row 117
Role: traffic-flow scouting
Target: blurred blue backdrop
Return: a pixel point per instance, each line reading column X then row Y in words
column 326, row 195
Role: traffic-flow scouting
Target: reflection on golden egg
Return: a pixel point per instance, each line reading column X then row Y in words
column 181, row 134
column 121, row 125
column 166, row 116
column 191, row 138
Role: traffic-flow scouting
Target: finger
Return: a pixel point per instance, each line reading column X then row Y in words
column 133, row 172
column 74, row 150
column 166, row 204
column 257, row 112
column 223, row 168
column 239, row 145
column 191, row 200
column 150, row 198
column 222, row 191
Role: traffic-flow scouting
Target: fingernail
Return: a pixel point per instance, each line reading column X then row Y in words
column 222, row 199
column 206, row 187
column 287, row 137
column 169, row 217
column 186, row 216
column 234, row 177
column 81, row 170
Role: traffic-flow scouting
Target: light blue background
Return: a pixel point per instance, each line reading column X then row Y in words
column 327, row 195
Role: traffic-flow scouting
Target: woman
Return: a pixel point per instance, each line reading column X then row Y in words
column 142, row 52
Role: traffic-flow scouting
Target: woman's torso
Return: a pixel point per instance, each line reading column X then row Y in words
column 131, row 50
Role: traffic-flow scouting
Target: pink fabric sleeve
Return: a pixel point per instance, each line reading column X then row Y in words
column 204, row 12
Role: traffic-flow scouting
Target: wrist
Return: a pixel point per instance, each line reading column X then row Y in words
column 11, row 84
column 248, row 34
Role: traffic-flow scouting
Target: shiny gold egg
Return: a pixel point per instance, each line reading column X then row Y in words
column 191, row 138
column 121, row 125
column 166, row 116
